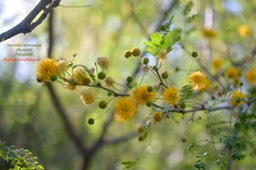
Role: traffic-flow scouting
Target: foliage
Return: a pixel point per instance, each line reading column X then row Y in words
column 21, row 159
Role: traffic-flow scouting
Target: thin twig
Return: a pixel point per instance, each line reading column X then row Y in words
column 27, row 25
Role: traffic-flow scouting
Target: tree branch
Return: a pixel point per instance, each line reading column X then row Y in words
column 27, row 25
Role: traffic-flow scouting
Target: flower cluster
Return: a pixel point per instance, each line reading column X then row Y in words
column 162, row 94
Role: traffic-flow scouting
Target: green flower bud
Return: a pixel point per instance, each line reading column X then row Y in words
column 91, row 121
column 135, row 52
column 183, row 105
column 149, row 104
column 129, row 79
column 194, row 54
column 103, row 104
column 150, row 88
column 53, row 78
column 165, row 75
column 127, row 54
column 101, row 75
column 145, row 60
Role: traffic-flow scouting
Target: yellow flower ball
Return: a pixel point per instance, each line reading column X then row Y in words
column 171, row 95
column 142, row 95
column 244, row 30
column 237, row 98
column 217, row 63
column 233, row 73
column 62, row 66
column 198, row 81
column 125, row 108
column 80, row 76
column 209, row 33
column 46, row 69
column 157, row 117
column 250, row 76
column 103, row 62
column 87, row 96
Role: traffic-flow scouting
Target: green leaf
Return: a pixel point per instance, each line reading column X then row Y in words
column 186, row 92
column 200, row 165
column 21, row 159
column 187, row 8
column 129, row 164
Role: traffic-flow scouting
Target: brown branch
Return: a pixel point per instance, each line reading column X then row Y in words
column 68, row 126
column 78, row 142
column 27, row 25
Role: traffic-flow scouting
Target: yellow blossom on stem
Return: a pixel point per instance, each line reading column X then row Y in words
column 46, row 69
column 199, row 81
column 142, row 95
column 244, row 30
column 103, row 62
column 208, row 33
column 80, row 76
column 125, row 108
column 237, row 98
column 217, row 63
column 171, row 95
column 232, row 73
column 157, row 117
column 87, row 96
column 250, row 76
column 62, row 66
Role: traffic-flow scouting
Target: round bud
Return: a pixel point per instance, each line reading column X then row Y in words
column 194, row 54
column 140, row 138
column 101, row 75
column 129, row 79
column 150, row 89
column 103, row 104
column 91, row 121
column 183, row 105
column 110, row 93
column 165, row 75
column 145, row 60
column 127, row 54
column 135, row 52
column 53, row 78
column 177, row 69
column 149, row 104
column 140, row 129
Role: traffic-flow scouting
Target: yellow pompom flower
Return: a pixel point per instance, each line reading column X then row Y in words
column 62, row 66
column 217, row 63
column 125, row 108
column 171, row 95
column 232, row 73
column 250, row 76
column 103, row 62
column 46, row 69
column 199, row 81
column 87, row 96
column 142, row 95
column 208, row 33
column 157, row 117
column 237, row 98
column 80, row 76
column 244, row 30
